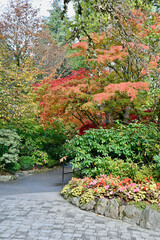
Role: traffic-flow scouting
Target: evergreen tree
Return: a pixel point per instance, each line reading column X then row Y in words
column 57, row 25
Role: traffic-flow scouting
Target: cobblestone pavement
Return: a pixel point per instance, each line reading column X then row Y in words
column 47, row 216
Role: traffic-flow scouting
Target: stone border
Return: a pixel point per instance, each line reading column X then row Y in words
column 147, row 218
column 7, row 178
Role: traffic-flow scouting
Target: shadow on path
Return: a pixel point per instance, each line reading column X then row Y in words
column 49, row 181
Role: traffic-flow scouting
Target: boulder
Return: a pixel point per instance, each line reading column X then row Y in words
column 69, row 199
column 88, row 206
column 101, row 205
column 6, row 178
column 75, row 201
column 121, row 212
column 112, row 209
column 131, row 214
column 150, row 219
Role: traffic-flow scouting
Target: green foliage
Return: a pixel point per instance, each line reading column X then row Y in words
column 116, row 167
column 94, row 16
column 157, row 160
column 136, row 143
column 53, row 140
column 26, row 162
column 48, row 141
column 9, row 149
column 56, row 24
column 40, row 158
column 146, row 170
column 77, row 62
column 12, row 167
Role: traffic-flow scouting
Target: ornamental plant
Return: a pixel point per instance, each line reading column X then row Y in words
column 26, row 162
column 50, row 141
column 110, row 150
column 40, row 158
column 9, row 150
column 110, row 187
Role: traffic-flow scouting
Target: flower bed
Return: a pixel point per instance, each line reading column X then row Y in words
column 112, row 187
column 109, row 196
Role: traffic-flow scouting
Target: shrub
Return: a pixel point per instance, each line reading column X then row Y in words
column 146, row 170
column 119, row 167
column 26, row 162
column 35, row 137
column 48, row 140
column 9, row 149
column 12, row 167
column 107, row 166
column 40, row 157
column 157, row 160
column 135, row 143
column 53, row 141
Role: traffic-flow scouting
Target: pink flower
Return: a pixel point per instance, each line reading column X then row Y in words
column 136, row 189
column 107, row 187
column 132, row 184
column 128, row 194
column 93, row 183
column 153, row 27
column 125, row 187
column 84, row 179
column 121, row 189
column 111, row 193
column 103, row 176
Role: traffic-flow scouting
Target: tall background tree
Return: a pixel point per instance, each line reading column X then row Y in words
column 20, row 25
column 55, row 23
column 28, row 53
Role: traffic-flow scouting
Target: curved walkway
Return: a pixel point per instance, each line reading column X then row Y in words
column 28, row 212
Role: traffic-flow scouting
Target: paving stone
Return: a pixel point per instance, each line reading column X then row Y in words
column 41, row 221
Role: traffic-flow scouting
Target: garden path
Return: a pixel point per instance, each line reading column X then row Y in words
column 32, row 209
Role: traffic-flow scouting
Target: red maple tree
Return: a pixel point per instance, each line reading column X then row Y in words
column 116, row 83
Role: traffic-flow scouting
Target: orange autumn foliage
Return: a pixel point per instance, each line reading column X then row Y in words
column 87, row 96
column 131, row 90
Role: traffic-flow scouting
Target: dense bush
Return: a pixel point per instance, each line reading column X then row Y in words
column 9, row 150
column 34, row 137
column 135, row 144
column 40, row 158
column 157, row 160
column 26, row 162
column 121, row 168
column 53, row 140
column 12, row 167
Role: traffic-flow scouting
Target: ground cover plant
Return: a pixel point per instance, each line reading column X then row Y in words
column 26, row 163
column 110, row 187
